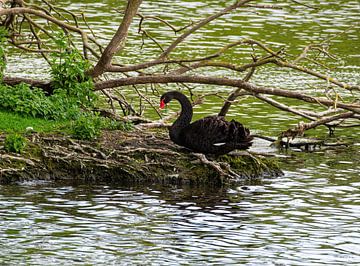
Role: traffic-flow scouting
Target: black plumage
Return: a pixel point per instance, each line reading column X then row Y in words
column 209, row 135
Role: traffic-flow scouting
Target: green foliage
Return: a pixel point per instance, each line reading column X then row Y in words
column 111, row 124
column 86, row 127
column 15, row 143
column 73, row 94
column 23, row 100
column 69, row 79
column 73, row 89
column 3, row 34
column 12, row 122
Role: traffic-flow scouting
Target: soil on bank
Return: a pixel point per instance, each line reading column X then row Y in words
column 136, row 156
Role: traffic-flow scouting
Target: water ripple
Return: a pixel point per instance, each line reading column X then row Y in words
column 283, row 220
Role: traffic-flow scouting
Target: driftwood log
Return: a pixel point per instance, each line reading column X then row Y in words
column 123, row 157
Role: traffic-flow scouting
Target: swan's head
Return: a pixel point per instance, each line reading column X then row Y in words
column 168, row 96
column 165, row 98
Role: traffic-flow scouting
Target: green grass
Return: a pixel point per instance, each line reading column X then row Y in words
column 11, row 122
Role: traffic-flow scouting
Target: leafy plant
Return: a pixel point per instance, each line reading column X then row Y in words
column 68, row 72
column 15, row 143
column 73, row 94
column 112, row 124
column 73, row 88
column 86, row 127
column 23, row 100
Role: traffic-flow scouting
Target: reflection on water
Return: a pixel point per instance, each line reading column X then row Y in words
column 309, row 216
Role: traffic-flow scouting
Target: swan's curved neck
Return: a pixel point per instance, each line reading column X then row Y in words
column 185, row 115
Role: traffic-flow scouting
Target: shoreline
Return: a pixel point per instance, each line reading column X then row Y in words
column 132, row 156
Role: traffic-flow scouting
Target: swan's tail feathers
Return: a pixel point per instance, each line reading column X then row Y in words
column 244, row 139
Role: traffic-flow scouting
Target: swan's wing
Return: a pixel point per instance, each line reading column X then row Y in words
column 211, row 128
column 215, row 132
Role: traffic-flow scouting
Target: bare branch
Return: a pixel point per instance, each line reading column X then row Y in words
column 172, row 27
column 201, row 24
column 316, row 74
column 223, row 82
column 303, row 4
column 301, row 127
column 236, row 93
column 22, row 10
column 118, row 41
column 283, row 106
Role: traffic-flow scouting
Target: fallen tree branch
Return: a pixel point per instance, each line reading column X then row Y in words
column 118, row 41
column 215, row 165
column 14, row 158
column 301, row 127
column 283, row 106
column 223, row 82
column 316, row 74
column 42, row 84
column 63, row 25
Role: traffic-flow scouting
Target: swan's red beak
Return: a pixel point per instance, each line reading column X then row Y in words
column 162, row 104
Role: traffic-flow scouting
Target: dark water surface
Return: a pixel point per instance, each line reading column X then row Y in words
column 302, row 218
column 309, row 216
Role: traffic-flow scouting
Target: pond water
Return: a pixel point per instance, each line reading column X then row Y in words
column 309, row 216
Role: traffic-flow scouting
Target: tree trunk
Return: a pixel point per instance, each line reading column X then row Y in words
column 118, row 41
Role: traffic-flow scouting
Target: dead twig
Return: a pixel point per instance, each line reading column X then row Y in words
column 218, row 167
column 14, row 158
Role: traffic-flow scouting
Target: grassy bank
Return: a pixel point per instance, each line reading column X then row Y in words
column 12, row 122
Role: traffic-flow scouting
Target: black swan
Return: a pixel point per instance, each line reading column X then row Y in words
column 209, row 135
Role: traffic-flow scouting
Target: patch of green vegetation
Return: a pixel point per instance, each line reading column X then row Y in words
column 250, row 165
column 12, row 122
column 68, row 108
column 23, row 100
column 73, row 92
column 88, row 126
column 73, row 89
column 111, row 124
column 15, row 143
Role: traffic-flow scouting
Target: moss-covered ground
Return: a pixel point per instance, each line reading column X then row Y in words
column 140, row 155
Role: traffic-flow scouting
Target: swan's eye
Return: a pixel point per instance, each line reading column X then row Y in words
column 162, row 104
